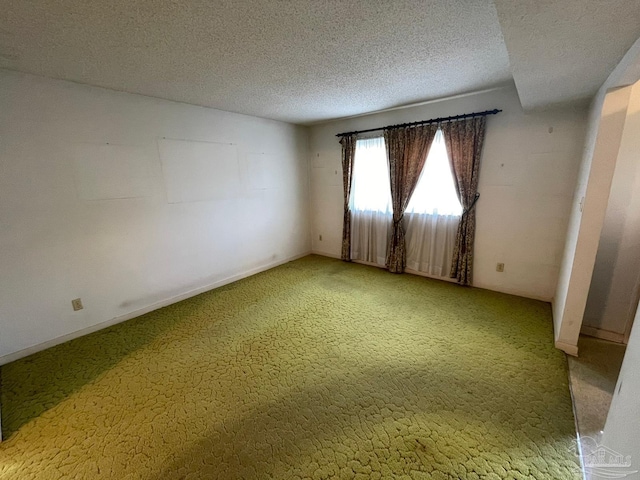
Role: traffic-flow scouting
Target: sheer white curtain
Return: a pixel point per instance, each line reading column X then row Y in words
column 433, row 214
column 370, row 202
column 431, row 219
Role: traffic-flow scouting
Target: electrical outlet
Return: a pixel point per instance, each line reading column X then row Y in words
column 320, row 237
column 500, row 267
column 76, row 304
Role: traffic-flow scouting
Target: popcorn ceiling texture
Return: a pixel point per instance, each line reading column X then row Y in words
column 563, row 51
column 291, row 60
column 315, row 369
column 303, row 61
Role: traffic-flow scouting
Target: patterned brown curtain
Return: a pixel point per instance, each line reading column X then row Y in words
column 348, row 153
column 407, row 150
column 464, row 141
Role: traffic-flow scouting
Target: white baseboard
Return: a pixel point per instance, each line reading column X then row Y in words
column 141, row 311
column 566, row 348
column 410, row 271
column 434, row 277
column 603, row 334
column 515, row 292
column 325, row 254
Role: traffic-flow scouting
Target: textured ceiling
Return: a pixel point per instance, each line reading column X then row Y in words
column 563, row 51
column 305, row 61
column 294, row 60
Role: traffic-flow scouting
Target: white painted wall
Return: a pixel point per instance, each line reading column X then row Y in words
column 127, row 255
column 622, row 429
column 606, row 120
column 527, row 179
column 613, row 294
column 607, row 117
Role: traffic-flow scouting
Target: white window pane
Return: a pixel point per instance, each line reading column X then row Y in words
column 370, row 190
column 435, row 193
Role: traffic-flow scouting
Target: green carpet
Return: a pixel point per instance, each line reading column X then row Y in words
column 315, row 369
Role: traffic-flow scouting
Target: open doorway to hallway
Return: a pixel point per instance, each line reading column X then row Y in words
column 607, row 414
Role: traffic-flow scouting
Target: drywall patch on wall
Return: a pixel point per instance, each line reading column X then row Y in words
column 107, row 171
column 121, row 256
column 262, row 170
column 196, row 171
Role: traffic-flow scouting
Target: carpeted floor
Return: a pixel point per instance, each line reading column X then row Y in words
column 315, row 369
column 594, row 375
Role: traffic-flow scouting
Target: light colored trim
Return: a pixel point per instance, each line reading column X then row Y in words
column 435, row 277
column 409, row 271
column 603, row 334
column 371, row 264
column 516, row 293
column 136, row 313
column 325, row 254
column 566, row 348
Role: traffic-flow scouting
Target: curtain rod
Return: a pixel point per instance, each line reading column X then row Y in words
column 425, row 122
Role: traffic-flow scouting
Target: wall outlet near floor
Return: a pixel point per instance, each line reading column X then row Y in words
column 76, row 304
column 500, row 267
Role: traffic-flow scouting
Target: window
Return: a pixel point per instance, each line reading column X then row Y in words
column 370, row 190
column 432, row 215
column 435, row 192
